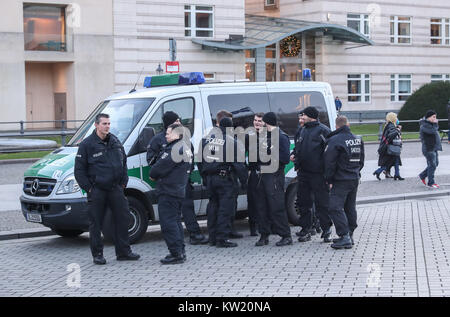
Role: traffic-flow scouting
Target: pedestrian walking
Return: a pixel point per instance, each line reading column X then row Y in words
column 271, row 206
column 312, row 189
column 101, row 171
column 171, row 172
column 431, row 144
column 344, row 159
column 220, row 177
column 390, row 147
column 252, row 144
column 155, row 147
column 338, row 104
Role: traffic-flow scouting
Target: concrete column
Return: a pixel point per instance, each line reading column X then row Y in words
column 260, row 64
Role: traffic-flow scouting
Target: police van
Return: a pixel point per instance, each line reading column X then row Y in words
column 52, row 197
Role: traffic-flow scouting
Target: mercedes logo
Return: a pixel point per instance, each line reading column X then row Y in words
column 34, row 187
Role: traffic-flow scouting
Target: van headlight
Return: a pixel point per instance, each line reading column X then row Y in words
column 68, row 186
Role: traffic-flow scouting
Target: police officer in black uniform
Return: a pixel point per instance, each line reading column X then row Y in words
column 251, row 145
column 101, row 171
column 220, row 176
column 171, row 172
column 156, row 145
column 272, row 214
column 311, row 182
column 344, row 159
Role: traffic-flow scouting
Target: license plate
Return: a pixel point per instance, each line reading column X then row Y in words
column 34, row 218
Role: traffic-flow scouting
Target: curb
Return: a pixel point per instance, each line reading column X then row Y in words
column 17, row 161
column 43, row 232
column 25, row 233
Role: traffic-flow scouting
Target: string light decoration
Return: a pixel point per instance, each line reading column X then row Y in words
column 290, row 46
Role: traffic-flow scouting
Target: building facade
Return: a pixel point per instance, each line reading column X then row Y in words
column 60, row 58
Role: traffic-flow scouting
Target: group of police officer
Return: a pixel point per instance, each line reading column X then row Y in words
column 328, row 166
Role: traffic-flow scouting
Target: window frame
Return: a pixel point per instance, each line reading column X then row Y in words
column 444, row 37
column 442, row 77
column 396, row 93
column 394, row 38
column 193, row 28
column 362, row 19
column 363, row 78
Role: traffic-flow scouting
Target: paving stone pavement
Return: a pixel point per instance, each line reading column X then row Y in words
column 402, row 249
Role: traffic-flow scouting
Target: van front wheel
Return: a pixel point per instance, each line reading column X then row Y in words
column 138, row 222
column 291, row 205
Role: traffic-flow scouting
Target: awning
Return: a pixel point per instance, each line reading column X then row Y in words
column 262, row 31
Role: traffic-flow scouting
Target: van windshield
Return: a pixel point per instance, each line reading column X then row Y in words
column 124, row 115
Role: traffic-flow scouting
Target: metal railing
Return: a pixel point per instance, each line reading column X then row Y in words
column 381, row 124
column 62, row 131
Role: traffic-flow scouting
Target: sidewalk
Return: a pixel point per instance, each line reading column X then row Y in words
column 401, row 250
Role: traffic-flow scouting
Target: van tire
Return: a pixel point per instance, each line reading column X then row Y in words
column 138, row 222
column 67, row 233
column 292, row 209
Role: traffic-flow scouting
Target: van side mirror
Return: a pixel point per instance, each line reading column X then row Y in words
column 140, row 146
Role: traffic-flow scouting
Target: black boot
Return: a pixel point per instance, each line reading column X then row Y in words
column 344, row 242
column 377, row 175
column 225, row 244
column 284, row 241
column 253, row 231
column 398, row 177
column 263, row 240
column 326, row 235
column 99, row 259
column 197, row 238
column 173, row 259
column 129, row 257
column 304, row 236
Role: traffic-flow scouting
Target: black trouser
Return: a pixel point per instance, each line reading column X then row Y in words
column 169, row 210
column 188, row 211
column 252, row 197
column 313, row 185
column 343, row 206
column 221, row 205
column 98, row 202
column 270, row 204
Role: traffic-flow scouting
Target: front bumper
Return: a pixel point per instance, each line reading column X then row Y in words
column 70, row 214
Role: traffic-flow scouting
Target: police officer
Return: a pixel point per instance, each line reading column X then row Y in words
column 344, row 159
column 156, row 145
column 101, row 171
column 311, row 182
column 251, row 144
column 272, row 214
column 171, row 172
column 220, row 176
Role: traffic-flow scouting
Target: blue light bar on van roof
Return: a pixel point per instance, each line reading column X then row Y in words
column 191, row 78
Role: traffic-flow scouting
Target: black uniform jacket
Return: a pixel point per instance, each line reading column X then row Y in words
column 284, row 148
column 309, row 147
column 344, row 156
column 216, row 156
column 170, row 173
column 101, row 163
column 155, row 147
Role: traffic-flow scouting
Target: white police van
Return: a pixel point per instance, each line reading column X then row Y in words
column 52, row 197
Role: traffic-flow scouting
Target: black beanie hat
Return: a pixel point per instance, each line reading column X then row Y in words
column 311, row 112
column 226, row 122
column 169, row 117
column 270, row 118
column 429, row 114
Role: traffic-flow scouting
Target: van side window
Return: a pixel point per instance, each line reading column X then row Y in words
column 184, row 107
column 287, row 105
column 242, row 106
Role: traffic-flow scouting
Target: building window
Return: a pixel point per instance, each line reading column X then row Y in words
column 400, row 87
column 440, row 77
column 400, row 30
column 198, row 21
column 269, row 2
column 209, row 76
column 359, row 22
column 439, row 31
column 358, row 88
column 250, row 62
column 44, row 27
